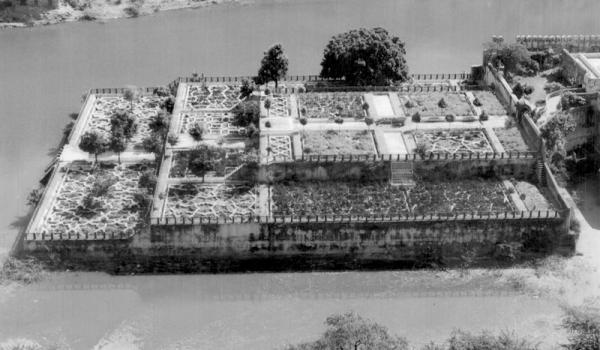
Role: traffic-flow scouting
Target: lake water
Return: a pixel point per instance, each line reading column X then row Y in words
column 44, row 71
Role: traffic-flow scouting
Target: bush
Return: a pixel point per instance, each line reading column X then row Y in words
column 196, row 132
column 409, row 104
column 168, row 104
column 514, row 57
column 34, row 197
column 583, row 326
column 246, row 113
column 483, row 116
column 247, row 88
column 101, row 185
column 421, row 150
column 172, row 139
column 553, row 86
column 450, row 118
column 570, row 100
column 267, row 124
column 131, row 11
column 147, row 180
column 461, row 340
column 476, row 102
column 442, row 103
column 416, row 118
column 518, row 90
column 161, row 91
column 527, row 89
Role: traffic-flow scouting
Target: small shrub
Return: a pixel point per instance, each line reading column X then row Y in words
column 442, row 103
column 307, row 150
column 483, row 116
column 34, row 197
column 575, row 225
column 410, row 104
column 476, row 102
column 303, row 121
column 196, row 132
column 518, row 90
column 421, row 150
column 528, row 90
column 267, row 91
column 267, row 124
column 369, row 121
column 147, row 180
column 523, row 196
column 131, row 11
column 172, row 139
column 509, row 123
column 365, row 106
column 161, row 91
column 168, row 104
column 450, row 118
column 416, row 118
column 247, row 88
column 303, row 111
column 101, row 185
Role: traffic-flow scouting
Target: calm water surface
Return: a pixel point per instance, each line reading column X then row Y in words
column 44, row 71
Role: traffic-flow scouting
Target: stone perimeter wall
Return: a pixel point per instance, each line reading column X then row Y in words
column 322, row 245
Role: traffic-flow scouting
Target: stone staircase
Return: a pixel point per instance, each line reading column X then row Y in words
column 541, row 174
column 401, row 174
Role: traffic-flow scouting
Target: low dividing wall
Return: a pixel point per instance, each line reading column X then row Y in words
column 316, row 245
column 522, row 167
column 575, row 43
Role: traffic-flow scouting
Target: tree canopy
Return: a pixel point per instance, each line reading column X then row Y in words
column 92, row 142
column 352, row 332
column 365, row 57
column 274, row 65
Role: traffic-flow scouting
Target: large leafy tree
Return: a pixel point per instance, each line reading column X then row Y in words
column 365, row 57
column 352, row 332
column 92, row 142
column 274, row 65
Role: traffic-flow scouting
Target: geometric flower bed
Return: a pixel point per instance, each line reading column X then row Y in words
column 489, row 102
column 118, row 211
column 376, row 198
column 144, row 109
column 453, row 141
column 221, row 200
column 338, row 142
column 426, row 103
column 214, row 123
column 279, row 106
column 331, row 105
column 221, row 163
column 222, row 97
column 511, row 139
column 280, row 147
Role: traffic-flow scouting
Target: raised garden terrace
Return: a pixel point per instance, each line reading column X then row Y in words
column 211, row 200
column 453, row 141
column 95, row 203
column 427, row 104
column 381, row 198
column 512, row 139
column 211, row 97
column 144, row 109
column 338, row 142
column 331, row 105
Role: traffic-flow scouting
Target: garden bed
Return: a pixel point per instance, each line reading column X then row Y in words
column 512, row 139
column 338, row 142
column 453, row 141
column 209, row 161
column 331, row 105
column 117, row 210
column 222, row 200
column 489, row 102
column 380, row 198
column 213, row 123
column 212, row 97
column 427, row 104
column 144, row 109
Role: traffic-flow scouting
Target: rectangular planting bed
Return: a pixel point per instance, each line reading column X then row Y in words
column 489, row 103
column 428, row 104
column 215, row 200
column 212, row 97
column 512, row 139
column 331, row 105
column 380, row 198
column 210, row 161
column 338, row 142
column 453, row 141
column 102, row 201
column 213, row 123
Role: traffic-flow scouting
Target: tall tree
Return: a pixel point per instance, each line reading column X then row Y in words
column 118, row 144
column 92, row 142
column 131, row 94
column 365, row 57
column 123, row 122
column 274, row 65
